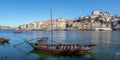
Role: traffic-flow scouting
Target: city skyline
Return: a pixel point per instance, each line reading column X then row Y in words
column 16, row 12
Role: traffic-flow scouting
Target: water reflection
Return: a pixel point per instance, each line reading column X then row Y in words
column 49, row 56
column 3, row 44
column 101, row 37
column 59, row 37
column 105, row 48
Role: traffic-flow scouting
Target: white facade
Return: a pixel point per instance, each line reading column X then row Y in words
column 96, row 13
column 118, row 15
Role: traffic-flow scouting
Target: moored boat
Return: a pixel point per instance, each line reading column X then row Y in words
column 16, row 31
column 60, row 48
column 3, row 40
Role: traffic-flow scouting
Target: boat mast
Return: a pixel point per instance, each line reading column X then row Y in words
column 51, row 26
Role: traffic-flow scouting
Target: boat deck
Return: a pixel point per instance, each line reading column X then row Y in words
column 59, row 48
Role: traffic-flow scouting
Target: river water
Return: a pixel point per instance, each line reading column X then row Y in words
column 108, row 45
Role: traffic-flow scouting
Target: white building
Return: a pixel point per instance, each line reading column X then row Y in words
column 118, row 15
column 96, row 13
column 61, row 23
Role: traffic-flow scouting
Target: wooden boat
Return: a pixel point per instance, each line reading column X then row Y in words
column 60, row 48
column 3, row 40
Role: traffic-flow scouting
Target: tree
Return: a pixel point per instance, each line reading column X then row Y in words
column 79, row 19
column 97, row 19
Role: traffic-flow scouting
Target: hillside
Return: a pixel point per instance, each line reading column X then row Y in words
column 4, row 27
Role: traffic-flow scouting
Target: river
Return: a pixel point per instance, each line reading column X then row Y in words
column 108, row 45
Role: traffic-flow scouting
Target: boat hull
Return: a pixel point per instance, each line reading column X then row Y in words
column 48, row 48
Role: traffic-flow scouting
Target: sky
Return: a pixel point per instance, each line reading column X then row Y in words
column 17, row 12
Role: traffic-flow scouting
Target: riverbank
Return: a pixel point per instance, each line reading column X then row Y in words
column 71, row 30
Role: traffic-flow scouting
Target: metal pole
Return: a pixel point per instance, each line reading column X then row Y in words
column 51, row 26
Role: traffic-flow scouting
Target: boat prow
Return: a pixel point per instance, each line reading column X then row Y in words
column 3, row 40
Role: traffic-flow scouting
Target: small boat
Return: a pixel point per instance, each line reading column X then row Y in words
column 16, row 31
column 3, row 40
